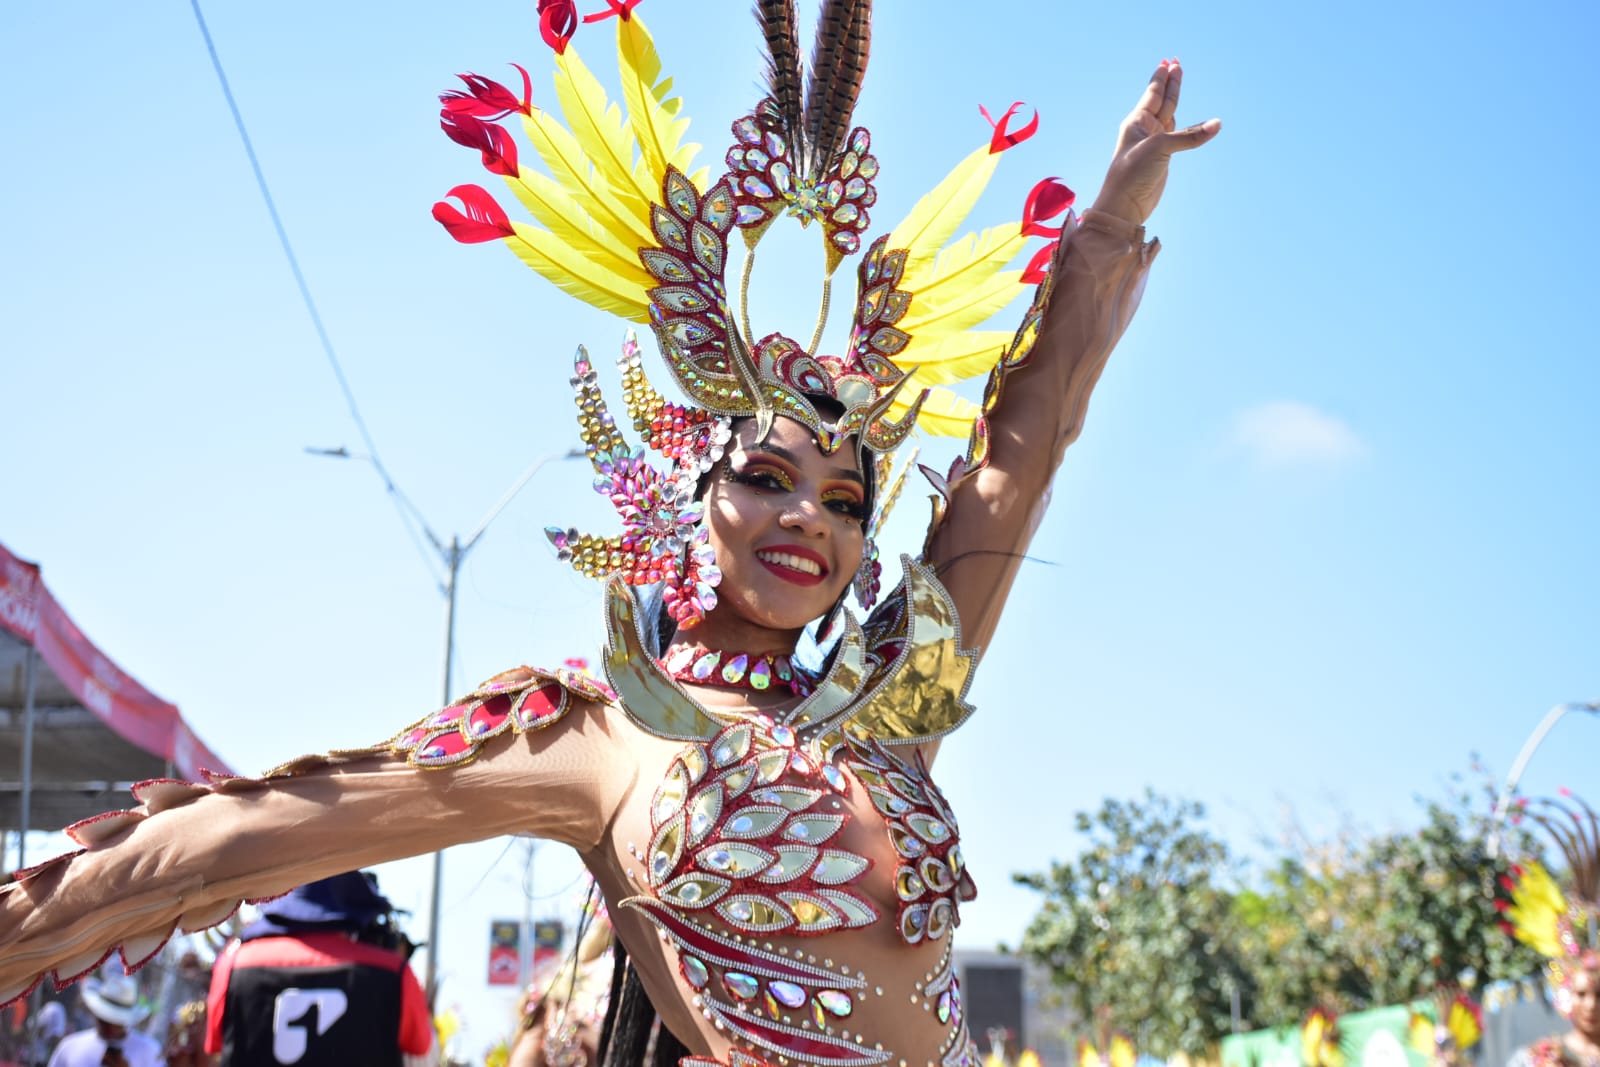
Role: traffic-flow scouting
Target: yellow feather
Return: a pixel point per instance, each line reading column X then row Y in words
column 626, row 219
column 1029, row 1058
column 650, row 111
column 1121, row 1052
column 1463, row 1026
column 937, row 216
column 551, row 205
column 1420, row 1034
column 944, row 414
column 597, row 124
column 976, row 304
column 972, row 260
column 1536, row 906
column 1087, row 1055
column 568, row 270
column 969, row 354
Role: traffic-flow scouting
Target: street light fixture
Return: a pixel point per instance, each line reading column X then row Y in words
column 452, row 555
column 1502, row 804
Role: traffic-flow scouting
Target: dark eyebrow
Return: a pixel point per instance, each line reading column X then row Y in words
column 843, row 473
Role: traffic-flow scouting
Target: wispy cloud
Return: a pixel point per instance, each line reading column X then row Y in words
column 1283, row 433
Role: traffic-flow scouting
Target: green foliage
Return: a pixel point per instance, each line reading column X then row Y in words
column 1150, row 929
column 1136, row 929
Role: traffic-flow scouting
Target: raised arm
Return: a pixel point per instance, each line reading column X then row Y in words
column 1094, row 287
column 189, row 854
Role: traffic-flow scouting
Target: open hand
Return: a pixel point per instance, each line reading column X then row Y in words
column 1145, row 144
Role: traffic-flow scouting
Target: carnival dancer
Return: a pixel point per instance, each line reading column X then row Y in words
column 1563, row 924
column 781, row 872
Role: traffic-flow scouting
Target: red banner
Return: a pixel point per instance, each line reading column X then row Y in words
column 505, row 951
column 29, row 611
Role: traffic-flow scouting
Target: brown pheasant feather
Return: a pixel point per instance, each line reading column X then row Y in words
column 784, row 80
column 1576, row 829
column 838, row 65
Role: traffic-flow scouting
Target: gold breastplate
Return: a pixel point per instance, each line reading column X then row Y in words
column 749, row 825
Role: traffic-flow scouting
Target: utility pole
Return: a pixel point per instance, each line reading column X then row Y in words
column 451, row 555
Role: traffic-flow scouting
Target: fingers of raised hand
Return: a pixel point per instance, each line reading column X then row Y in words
column 1168, row 105
column 1191, row 136
column 1150, row 102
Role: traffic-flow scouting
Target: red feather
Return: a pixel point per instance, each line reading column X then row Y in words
column 499, row 150
column 487, row 99
column 484, row 219
column 1045, row 201
column 1003, row 138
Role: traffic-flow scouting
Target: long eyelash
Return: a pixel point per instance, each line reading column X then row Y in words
column 852, row 509
column 753, row 478
column 756, row 479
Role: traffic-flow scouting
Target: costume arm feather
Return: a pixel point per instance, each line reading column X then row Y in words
column 190, row 854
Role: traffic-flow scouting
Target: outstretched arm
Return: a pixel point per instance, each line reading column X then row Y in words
column 188, row 856
column 1095, row 283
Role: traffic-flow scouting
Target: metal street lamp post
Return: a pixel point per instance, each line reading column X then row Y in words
column 1502, row 804
column 451, row 555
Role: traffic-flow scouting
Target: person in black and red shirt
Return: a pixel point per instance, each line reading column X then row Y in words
column 321, row 980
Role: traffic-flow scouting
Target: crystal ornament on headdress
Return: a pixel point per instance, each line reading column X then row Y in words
column 1561, row 924
column 627, row 225
column 664, row 537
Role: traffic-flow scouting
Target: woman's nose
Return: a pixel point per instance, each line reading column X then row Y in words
column 804, row 515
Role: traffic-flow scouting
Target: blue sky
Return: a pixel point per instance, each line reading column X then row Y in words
column 1330, row 528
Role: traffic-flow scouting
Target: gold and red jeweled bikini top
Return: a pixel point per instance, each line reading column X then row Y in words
column 744, row 837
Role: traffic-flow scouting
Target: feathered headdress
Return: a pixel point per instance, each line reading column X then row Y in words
column 1563, row 925
column 1456, row 1027
column 626, row 223
column 1320, row 1044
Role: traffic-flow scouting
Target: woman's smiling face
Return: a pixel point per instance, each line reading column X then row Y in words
column 787, row 523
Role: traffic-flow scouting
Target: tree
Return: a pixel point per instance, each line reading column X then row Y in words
column 1138, row 930
column 1386, row 919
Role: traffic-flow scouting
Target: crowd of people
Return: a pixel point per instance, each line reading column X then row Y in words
column 320, row 978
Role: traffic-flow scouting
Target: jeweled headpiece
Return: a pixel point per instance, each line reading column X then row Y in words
column 629, row 226
column 1562, row 924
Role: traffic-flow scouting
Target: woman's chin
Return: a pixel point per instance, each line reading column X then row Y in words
column 780, row 611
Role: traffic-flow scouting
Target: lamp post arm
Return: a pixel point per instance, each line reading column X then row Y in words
column 1502, row 804
column 510, row 494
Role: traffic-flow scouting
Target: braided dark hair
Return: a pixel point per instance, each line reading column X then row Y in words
column 633, row 1034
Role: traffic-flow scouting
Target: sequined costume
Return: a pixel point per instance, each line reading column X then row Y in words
column 786, row 883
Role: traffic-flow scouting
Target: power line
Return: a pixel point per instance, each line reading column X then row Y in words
column 409, row 514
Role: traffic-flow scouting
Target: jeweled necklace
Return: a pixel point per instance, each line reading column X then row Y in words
column 758, row 672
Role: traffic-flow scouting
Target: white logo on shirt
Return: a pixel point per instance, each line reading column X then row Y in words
column 289, row 1036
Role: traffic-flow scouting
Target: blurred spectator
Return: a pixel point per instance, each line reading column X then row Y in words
column 113, row 1000
column 321, row 980
column 561, row 1027
column 186, row 1037
column 47, row 1026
